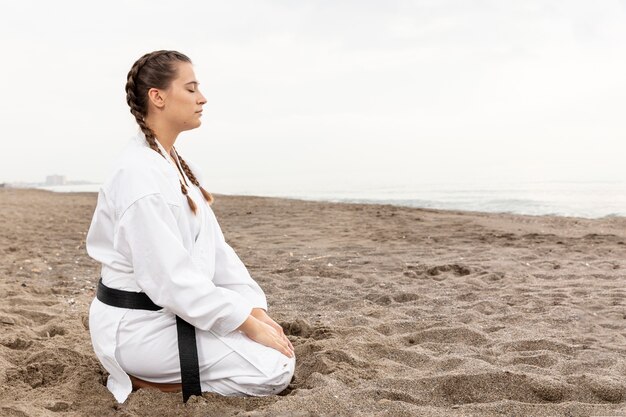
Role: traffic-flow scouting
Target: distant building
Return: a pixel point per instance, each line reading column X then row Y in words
column 55, row 180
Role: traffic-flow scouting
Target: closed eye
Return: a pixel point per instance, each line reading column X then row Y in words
column 193, row 84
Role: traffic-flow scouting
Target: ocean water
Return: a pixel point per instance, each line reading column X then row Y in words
column 575, row 199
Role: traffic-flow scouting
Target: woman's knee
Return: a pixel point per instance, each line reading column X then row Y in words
column 280, row 379
column 273, row 382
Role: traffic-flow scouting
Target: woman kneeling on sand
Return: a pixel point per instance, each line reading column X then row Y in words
column 176, row 309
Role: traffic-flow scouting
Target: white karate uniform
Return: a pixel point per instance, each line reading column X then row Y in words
column 148, row 239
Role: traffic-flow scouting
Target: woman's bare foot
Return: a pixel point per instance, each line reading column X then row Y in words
column 140, row 383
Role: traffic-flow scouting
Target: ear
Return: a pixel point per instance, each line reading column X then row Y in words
column 157, row 97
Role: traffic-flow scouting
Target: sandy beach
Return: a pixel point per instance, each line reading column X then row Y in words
column 392, row 311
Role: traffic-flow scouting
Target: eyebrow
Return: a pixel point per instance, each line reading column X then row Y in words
column 192, row 82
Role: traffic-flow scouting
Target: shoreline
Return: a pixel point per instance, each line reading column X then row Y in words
column 379, row 202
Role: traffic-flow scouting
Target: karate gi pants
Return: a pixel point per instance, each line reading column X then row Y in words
column 229, row 365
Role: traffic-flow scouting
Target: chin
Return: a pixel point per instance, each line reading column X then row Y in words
column 193, row 125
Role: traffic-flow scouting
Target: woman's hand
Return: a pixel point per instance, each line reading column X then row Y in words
column 266, row 335
column 262, row 315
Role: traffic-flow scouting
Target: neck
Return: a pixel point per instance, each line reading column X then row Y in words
column 164, row 133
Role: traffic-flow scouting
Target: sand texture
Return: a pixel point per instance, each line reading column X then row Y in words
column 392, row 311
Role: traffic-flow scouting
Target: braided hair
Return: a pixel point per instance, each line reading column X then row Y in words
column 157, row 70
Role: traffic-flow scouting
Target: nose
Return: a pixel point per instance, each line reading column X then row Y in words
column 202, row 99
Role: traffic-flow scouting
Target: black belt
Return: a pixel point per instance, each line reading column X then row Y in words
column 187, row 349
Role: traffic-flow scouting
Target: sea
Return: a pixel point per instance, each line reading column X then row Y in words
column 591, row 200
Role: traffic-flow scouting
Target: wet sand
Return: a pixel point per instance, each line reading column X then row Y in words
column 393, row 311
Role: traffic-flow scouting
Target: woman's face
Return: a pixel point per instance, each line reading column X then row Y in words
column 183, row 100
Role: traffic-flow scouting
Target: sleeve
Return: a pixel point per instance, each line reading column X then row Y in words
column 231, row 273
column 148, row 235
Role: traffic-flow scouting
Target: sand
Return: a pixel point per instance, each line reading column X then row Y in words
column 392, row 311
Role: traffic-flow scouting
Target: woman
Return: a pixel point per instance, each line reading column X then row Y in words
column 176, row 308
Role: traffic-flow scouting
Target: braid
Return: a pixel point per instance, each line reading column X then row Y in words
column 159, row 72
column 207, row 196
column 138, row 103
column 190, row 201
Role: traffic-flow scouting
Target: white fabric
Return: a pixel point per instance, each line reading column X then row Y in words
column 148, row 239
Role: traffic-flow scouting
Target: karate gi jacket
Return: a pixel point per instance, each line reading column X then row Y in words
column 148, row 239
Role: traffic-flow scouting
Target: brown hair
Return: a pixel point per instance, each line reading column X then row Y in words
column 157, row 70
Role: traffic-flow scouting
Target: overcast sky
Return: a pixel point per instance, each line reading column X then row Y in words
column 327, row 93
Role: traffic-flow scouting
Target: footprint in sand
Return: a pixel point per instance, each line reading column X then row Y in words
column 393, row 395
column 456, row 270
column 437, row 272
column 405, row 297
column 52, row 330
column 447, row 335
column 302, row 328
column 35, row 374
column 12, row 412
column 387, row 299
column 25, row 317
column 16, row 343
